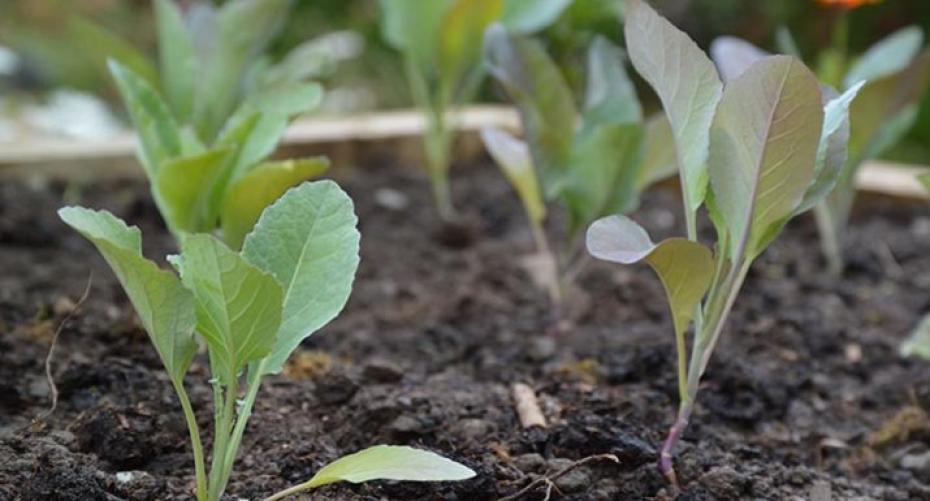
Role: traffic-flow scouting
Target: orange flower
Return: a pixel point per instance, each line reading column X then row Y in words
column 846, row 4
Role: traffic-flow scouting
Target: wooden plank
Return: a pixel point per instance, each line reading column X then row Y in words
column 350, row 140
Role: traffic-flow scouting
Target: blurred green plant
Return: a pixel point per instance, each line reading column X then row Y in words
column 595, row 161
column 440, row 42
column 213, row 109
column 894, row 74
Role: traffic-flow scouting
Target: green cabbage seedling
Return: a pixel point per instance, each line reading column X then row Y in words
column 767, row 150
column 893, row 74
column 595, row 161
column 440, row 41
column 251, row 309
column 215, row 111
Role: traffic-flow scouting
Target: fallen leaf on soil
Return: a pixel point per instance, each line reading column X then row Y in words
column 906, row 422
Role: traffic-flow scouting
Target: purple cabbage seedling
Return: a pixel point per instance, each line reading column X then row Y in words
column 755, row 153
column 595, row 160
column 440, row 41
column 893, row 76
column 251, row 309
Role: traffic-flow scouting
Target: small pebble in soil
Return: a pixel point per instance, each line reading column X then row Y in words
column 335, row 388
column 381, row 371
column 473, row 429
column 391, row 199
column 530, row 463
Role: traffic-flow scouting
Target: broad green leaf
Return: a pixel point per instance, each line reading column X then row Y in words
column 604, row 166
column 248, row 196
column 833, row 148
column 390, row 462
column 733, row 56
column 763, row 149
column 919, row 341
column 238, row 305
column 412, row 27
column 686, row 83
column 546, row 103
column 685, row 268
column 177, row 59
column 513, row 157
column 460, row 37
column 530, row 16
column 308, row 241
column 611, row 97
column 887, row 57
column 105, row 45
column 165, row 307
column 159, row 139
column 184, row 187
column 658, row 159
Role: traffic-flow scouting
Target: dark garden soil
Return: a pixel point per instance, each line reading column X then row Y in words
column 806, row 397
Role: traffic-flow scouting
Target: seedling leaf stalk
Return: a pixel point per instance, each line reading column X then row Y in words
column 775, row 147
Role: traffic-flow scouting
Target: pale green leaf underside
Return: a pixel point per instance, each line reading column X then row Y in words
column 763, row 149
column 412, row 27
column 513, row 157
column 685, row 268
column 832, row 150
column 887, row 57
column 247, row 197
column 686, row 83
column 390, row 462
column 165, row 307
column 238, row 305
column 919, row 341
column 308, row 241
column 733, row 56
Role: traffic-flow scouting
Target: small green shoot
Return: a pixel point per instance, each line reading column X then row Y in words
column 893, row 76
column 440, row 41
column 213, row 112
column 251, row 309
column 594, row 160
column 774, row 147
column 919, row 341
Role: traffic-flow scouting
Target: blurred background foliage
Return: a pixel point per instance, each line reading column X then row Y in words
column 56, row 49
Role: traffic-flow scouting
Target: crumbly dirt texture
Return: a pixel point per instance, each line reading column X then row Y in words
column 805, row 398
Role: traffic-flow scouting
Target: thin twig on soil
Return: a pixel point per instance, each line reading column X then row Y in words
column 53, row 388
column 549, row 480
column 527, row 405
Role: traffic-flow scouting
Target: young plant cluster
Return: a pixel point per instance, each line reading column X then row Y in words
column 250, row 308
column 440, row 41
column 595, row 161
column 214, row 111
column 765, row 147
column 892, row 77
